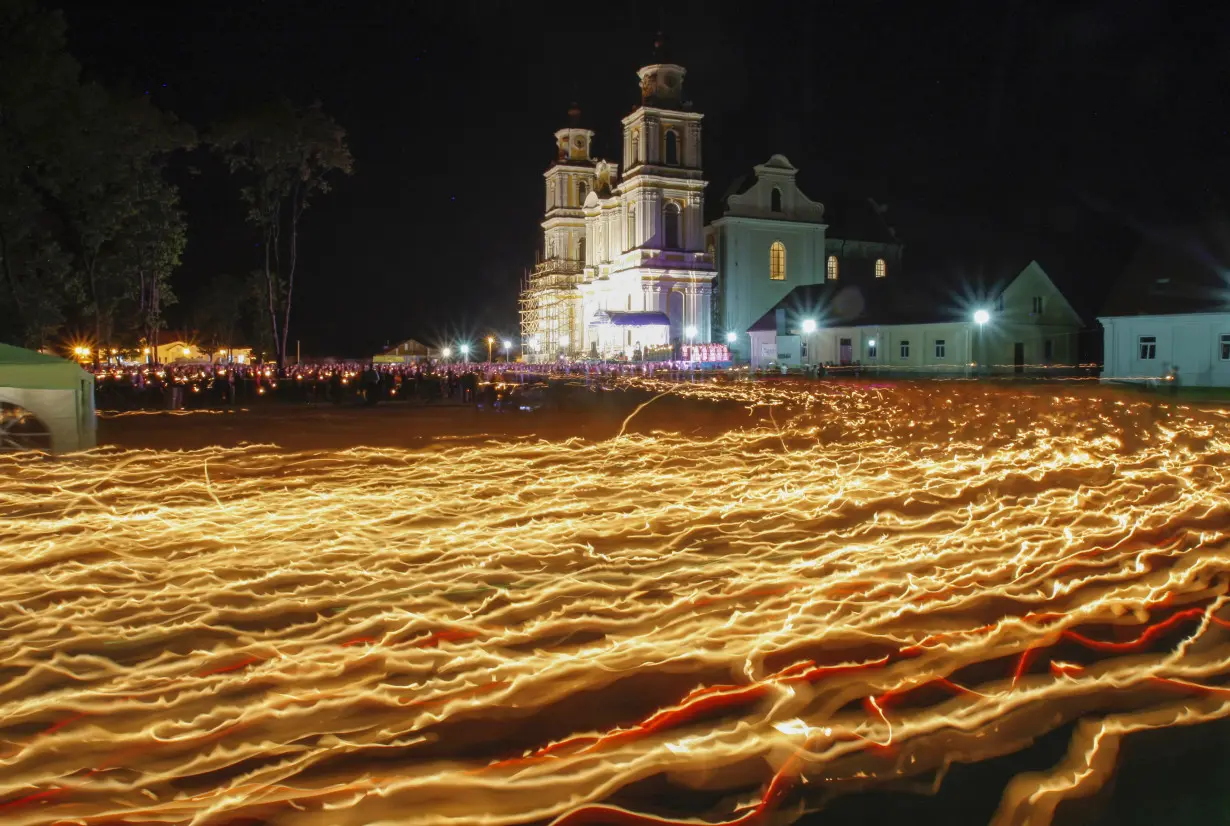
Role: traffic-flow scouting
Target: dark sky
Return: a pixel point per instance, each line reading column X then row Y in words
column 995, row 131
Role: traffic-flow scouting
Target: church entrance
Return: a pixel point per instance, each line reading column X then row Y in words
column 674, row 310
column 845, row 351
column 1018, row 357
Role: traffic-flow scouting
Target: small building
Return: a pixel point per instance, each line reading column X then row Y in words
column 875, row 324
column 1169, row 315
column 408, row 351
column 46, row 403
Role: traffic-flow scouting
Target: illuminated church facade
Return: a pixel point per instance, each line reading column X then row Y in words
column 625, row 268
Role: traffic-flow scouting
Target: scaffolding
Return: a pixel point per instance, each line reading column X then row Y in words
column 550, row 308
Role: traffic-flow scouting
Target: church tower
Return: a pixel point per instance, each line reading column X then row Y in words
column 569, row 179
column 550, row 302
column 661, row 286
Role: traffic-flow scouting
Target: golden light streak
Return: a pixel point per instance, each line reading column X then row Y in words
column 849, row 591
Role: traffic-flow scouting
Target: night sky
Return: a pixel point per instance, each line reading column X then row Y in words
column 995, row 132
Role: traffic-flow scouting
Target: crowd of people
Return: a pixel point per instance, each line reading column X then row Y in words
column 177, row 386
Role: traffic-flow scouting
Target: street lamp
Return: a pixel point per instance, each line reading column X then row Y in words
column 809, row 325
column 465, row 352
column 730, row 338
column 507, row 347
column 981, row 317
column 447, row 352
column 490, row 341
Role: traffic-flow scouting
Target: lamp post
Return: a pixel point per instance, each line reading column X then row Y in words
column 490, row 341
column 981, row 317
column 447, row 352
column 465, row 352
column 809, row 327
column 507, row 348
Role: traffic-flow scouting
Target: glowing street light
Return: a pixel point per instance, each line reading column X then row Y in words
column 465, row 352
column 490, row 341
column 809, row 325
column 981, row 317
column 507, row 348
column 447, row 352
column 730, row 337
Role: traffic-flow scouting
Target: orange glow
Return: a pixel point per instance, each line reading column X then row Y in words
column 858, row 584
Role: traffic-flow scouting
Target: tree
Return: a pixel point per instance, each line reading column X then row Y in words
column 120, row 216
column 88, row 222
column 286, row 156
column 38, row 85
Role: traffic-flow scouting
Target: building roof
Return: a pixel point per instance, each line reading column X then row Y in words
column 632, row 319
column 27, row 369
column 935, row 298
column 859, row 219
column 1175, row 273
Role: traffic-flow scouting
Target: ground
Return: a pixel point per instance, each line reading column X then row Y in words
column 731, row 600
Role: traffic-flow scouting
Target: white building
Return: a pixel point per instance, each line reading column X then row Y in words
column 882, row 325
column 624, row 266
column 1170, row 314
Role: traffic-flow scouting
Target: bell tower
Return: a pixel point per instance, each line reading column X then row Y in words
column 663, row 186
column 569, row 180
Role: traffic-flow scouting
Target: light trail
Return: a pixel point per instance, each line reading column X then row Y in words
column 884, row 580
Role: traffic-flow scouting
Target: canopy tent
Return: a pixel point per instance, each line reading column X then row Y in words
column 45, row 402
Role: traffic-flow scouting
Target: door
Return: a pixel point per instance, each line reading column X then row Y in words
column 1018, row 357
column 845, row 351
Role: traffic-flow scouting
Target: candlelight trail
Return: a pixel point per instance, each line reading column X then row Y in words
column 852, row 589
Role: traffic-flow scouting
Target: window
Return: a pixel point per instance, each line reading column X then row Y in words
column 905, row 349
column 582, row 191
column 670, row 222
column 672, row 148
column 831, row 268
column 1148, row 348
column 939, row 348
column 1225, row 348
column 1037, row 305
column 775, row 200
column 1048, row 351
column 881, row 268
column 581, row 250
column 777, row 261
column 636, row 148
column 631, row 226
column 711, row 248
column 871, row 349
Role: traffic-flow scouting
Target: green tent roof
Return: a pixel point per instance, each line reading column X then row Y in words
column 25, row 368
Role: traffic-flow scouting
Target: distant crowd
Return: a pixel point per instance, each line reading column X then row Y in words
column 428, row 381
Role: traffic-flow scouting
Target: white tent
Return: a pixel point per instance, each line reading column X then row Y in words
column 46, row 403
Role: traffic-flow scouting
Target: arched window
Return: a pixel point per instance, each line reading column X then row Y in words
column 830, row 271
column 582, row 191
column 631, row 227
column 581, row 250
column 672, row 148
column 636, row 149
column 671, row 226
column 881, row 268
column 777, row 261
column 775, row 201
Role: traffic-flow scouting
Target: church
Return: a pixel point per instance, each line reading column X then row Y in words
column 625, row 269
column 630, row 270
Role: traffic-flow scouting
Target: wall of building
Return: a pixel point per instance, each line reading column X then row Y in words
column 743, row 249
column 1192, row 343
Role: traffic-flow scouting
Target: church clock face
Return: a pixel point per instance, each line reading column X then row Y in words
column 578, row 143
